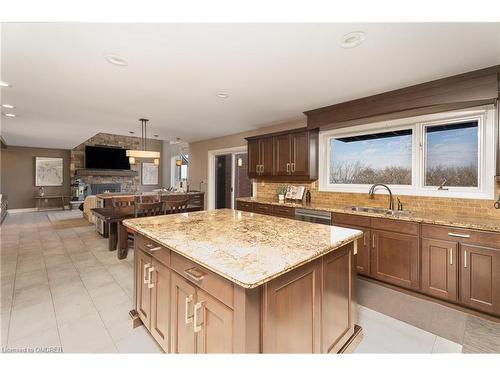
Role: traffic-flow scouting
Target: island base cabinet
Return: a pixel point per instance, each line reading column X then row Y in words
column 291, row 311
column 160, row 304
column 183, row 295
column 395, row 258
column 480, row 278
column 143, row 262
column 213, row 322
column 337, row 317
column 440, row 269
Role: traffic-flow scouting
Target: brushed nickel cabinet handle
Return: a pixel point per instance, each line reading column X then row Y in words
column 188, row 319
column 262, row 168
column 257, row 168
column 293, row 167
column 146, row 273
column 451, row 256
column 364, row 239
column 373, row 241
column 465, row 258
column 151, row 247
column 194, row 274
column 150, row 275
column 288, row 167
column 197, row 310
column 451, row 234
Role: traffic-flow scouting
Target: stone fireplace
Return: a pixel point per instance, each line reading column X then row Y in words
column 118, row 182
column 102, row 188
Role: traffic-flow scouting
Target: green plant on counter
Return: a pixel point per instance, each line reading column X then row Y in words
column 281, row 190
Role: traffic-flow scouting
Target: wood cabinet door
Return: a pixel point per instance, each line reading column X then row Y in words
column 395, row 258
column 253, row 148
column 337, row 317
column 182, row 300
column 282, row 157
column 299, row 153
column 267, row 156
column 439, row 268
column 215, row 322
column 142, row 291
column 291, row 321
column 160, row 304
column 480, row 278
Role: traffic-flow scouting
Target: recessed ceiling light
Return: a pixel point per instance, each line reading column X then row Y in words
column 353, row 39
column 9, row 115
column 156, row 135
column 9, row 106
column 115, row 59
column 4, row 84
column 222, row 95
column 131, row 132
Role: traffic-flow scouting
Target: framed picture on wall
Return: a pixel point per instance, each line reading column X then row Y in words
column 48, row 171
column 149, row 174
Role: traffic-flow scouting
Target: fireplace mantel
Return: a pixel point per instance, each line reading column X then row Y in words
column 106, row 172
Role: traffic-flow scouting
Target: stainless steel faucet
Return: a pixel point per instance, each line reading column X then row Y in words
column 391, row 199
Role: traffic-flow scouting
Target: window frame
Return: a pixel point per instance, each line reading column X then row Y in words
column 486, row 154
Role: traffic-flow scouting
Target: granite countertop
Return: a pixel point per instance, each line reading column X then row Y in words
column 121, row 195
column 468, row 222
column 246, row 248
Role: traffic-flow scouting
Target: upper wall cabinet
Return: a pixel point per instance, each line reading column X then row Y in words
column 290, row 155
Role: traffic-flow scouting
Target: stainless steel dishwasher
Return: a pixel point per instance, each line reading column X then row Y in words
column 313, row 216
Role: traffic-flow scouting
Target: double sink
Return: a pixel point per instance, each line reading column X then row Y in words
column 378, row 210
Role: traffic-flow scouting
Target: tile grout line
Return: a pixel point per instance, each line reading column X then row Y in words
column 90, row 296
column 50, row 288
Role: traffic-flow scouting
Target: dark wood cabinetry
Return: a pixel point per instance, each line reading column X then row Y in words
column 288, row 155
column 395, row 258
column 440, row 268
column 260, row 157
column 480, row 278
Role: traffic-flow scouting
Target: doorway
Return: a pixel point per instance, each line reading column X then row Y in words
column 228, row 177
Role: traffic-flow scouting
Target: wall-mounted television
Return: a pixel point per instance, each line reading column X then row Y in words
column 97, row 157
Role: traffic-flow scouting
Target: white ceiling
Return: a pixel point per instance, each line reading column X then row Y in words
column 65, row 91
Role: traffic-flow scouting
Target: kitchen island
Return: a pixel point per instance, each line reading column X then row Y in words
column 230, row 281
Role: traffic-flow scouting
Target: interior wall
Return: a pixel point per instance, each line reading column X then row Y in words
column 198, row 151
column 18, row 175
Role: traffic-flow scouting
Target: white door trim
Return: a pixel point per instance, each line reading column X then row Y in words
column 211, row 172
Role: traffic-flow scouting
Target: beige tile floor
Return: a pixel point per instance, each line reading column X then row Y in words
column 62, row 289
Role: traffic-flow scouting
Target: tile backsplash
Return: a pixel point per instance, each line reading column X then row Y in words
column 457, row 206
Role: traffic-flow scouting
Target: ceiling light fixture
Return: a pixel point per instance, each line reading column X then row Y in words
column 115, row 59
column 143, row 154
column 9, row 115
column 222, row 95
column 9, row 106
column 4, row 84
column 353, row 39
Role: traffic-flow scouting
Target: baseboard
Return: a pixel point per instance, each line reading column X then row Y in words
column 19, row 210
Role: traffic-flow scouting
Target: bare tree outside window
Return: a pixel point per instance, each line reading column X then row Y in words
column 373, row 158
column 451, row 155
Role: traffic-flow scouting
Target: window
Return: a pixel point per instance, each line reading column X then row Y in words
column 450, row 154
column 372, row 158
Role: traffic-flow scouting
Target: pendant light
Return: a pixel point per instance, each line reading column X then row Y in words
column 143, row 154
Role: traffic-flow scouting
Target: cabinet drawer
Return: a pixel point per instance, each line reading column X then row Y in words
column 441, row 232
column 244, row 206
column 283, row 211
column 212, row 283
column 347, row 219
column 392, row 225
column 262, row 208
column 152, row 248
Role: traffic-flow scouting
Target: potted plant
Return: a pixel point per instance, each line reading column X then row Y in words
column 281, row 191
